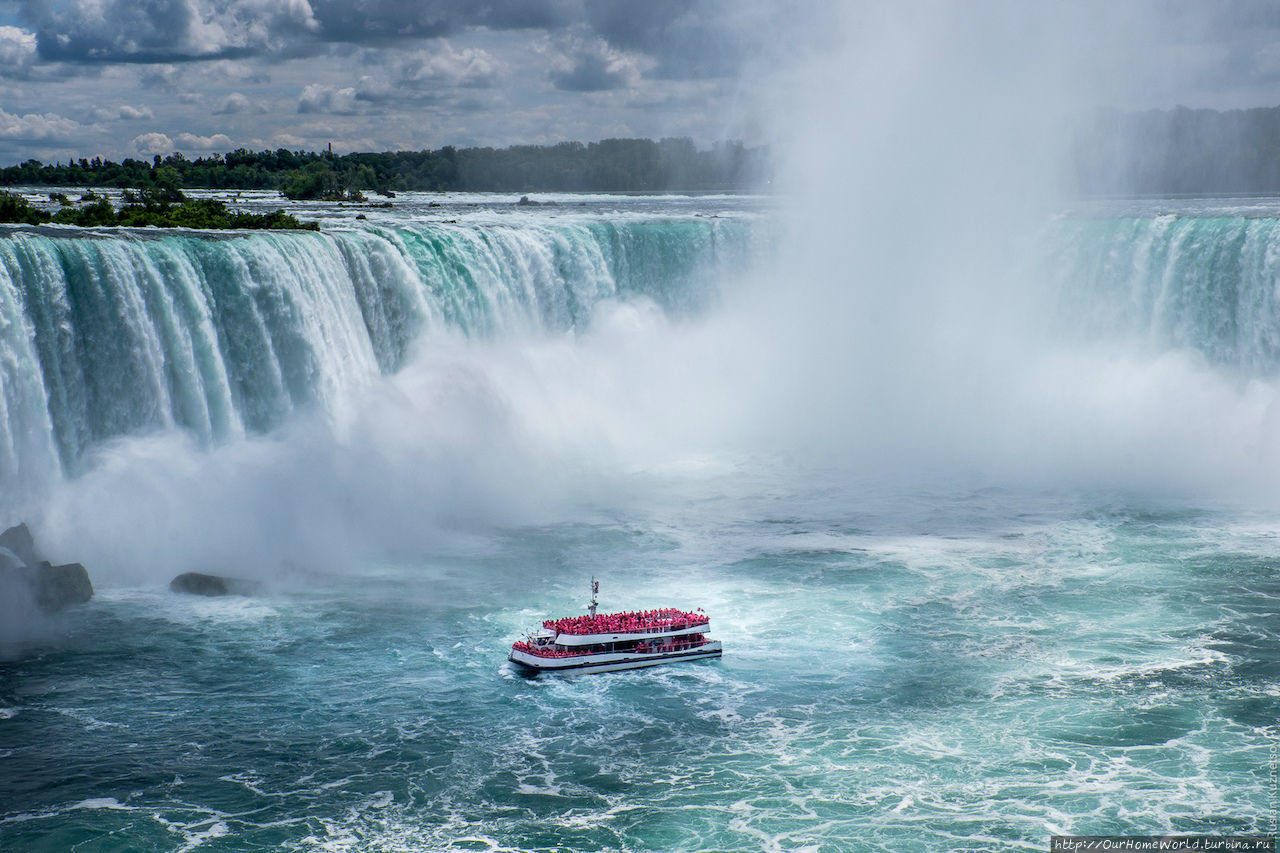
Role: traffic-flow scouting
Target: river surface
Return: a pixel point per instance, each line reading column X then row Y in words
column 425, row 431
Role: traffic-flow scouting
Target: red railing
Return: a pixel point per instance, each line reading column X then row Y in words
column 545, row 651
column 630, row 622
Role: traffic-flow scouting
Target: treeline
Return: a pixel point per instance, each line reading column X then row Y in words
column 632, row 165
column 1179, row 151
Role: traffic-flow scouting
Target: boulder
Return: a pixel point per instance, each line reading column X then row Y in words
column 57, row 586
column 48, row 587
column 19, row 541
column 198, row 583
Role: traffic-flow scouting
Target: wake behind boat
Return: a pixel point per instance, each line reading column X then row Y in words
column 613, row 641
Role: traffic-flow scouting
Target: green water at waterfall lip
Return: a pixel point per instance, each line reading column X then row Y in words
column 907, row 667
column 1247, row 206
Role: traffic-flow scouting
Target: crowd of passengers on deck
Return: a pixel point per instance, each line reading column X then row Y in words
column 630, row 622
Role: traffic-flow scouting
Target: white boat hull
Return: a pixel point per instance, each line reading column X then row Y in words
column 612, row 661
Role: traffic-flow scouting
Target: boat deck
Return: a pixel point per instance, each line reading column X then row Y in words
column 597, row 642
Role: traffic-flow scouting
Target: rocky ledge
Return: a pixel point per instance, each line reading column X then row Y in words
column 49, row 587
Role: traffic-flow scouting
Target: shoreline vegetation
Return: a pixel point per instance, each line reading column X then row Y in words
column 611, row 165
column 146, row 207
column 153, row 190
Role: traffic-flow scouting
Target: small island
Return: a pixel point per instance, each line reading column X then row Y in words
column 160, row 205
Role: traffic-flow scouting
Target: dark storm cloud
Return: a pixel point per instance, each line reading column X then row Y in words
column 379, row 20
column 688, row 39
column 96, row 31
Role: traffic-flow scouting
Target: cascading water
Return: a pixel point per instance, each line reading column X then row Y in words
column 1207, row 283
column 107, row 336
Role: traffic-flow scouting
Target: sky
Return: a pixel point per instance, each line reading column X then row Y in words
column 135, row 78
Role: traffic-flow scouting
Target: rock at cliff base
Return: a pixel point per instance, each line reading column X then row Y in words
column 21, row 543
column 198, row 583
column 57, row 586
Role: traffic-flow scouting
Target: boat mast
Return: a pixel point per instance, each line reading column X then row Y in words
column 595, row 589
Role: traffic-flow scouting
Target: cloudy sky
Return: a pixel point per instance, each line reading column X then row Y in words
column 138, row 77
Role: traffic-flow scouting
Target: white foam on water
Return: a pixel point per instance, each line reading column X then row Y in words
column 97, row 803
column 194, row 839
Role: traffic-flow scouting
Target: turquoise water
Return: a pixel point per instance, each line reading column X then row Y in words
column 915, row 657
column 961, row 676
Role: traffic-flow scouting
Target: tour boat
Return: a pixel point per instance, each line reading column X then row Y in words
column 610, row 641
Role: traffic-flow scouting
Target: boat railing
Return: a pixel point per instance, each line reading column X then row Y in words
column 546, row 651
column 691, row 641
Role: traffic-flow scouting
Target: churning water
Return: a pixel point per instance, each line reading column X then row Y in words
column 954, row 617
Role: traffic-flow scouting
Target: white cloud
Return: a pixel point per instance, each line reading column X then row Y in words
column 162, row 143
column 124, row 112
column 33, row 126
column 191, row 142
column 326, row 99
column 289, row 140
column 153, row 143
column 234, row 72
column 239, row 103
column 17, row 50
column 430, row 74
column 446, row 66
column 586, row 63
column 250, row 24
column 160, row 76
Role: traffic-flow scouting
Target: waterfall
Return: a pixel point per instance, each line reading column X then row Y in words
column 1208, row 284
column 226, row 335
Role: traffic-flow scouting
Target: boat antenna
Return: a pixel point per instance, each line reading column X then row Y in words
column 595, row 589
